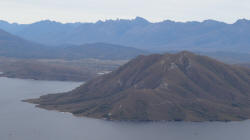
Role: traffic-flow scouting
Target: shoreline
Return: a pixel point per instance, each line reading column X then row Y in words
column 129, row 121
column 40, row 79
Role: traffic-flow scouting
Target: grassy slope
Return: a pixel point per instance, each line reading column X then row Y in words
column 181, row 86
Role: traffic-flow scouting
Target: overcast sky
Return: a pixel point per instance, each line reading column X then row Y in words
column 27, row 11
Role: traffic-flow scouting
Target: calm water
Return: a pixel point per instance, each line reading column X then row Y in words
column 22, row 121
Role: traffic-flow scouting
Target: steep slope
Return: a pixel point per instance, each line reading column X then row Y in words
column 13, row 46
column 179, row 87
column 12, row 28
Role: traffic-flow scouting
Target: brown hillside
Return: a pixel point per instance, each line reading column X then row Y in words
column 172, row 87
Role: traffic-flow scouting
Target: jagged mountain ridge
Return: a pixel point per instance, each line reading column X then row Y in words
column 209, row 35
column 172, row 87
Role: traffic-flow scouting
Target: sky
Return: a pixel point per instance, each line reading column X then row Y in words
column 29, row 11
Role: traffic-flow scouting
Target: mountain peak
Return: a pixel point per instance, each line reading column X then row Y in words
column 212, row 22
column 181, row 86
column 141, row 20
column 185, row 53
column 5, row 22
column 47, row 22
column 242, row 21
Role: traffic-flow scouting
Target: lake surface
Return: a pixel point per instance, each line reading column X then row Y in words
column 22, row 121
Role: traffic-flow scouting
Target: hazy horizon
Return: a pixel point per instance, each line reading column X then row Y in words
column 68, row 11
column 133, row 18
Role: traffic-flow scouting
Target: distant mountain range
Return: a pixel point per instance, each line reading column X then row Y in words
column 209, row 35
column 13, row 46
column 172, row 87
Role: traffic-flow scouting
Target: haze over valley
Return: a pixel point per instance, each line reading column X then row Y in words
column 119, row 70
column 84, row 41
